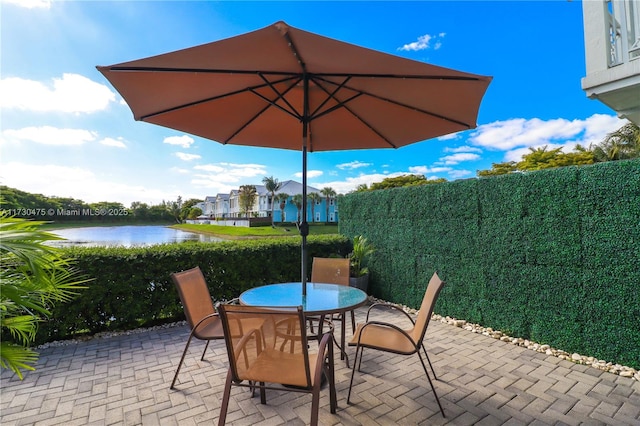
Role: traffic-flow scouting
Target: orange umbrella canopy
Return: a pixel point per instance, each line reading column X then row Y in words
column 283, row 87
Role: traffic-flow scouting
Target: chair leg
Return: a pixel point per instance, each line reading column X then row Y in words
column 430, row 365
column 315, row 404
column 225, row 400
column 205, row 350
column 330, row 372
column 424, row 367
column 353, row 371
column 263, row 394
column 186, row 347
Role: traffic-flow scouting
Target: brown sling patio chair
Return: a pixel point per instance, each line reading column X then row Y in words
column 274, row 353
column 388, row 337
column 334, row 271
column 198, row 308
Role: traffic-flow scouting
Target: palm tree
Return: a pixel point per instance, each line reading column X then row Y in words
column 622, row 144
column 329, row 193
column 247, row 197
column 314, row 198
column 282, row 198
column 296, row 200
column 272, row 185
column 33, row 277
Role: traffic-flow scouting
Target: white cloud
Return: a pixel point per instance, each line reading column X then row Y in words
column 180, row 170
column 310, row 174
column 351, row 183
column 118, row 143
column 459, row 157
column 223, row 177
column 352, row 165
column 448, row 137
column 30, row 4
column 516, row 133
column 184, row 141
column 423, row 170
column 48, row 135
column 463, row 149
column 187, row 157
column 210, row 168
column 458, row 174
column 73, row 93
column 423, row 43
column 77, row 182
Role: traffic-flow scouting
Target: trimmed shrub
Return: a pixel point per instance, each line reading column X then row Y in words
column 552, row 255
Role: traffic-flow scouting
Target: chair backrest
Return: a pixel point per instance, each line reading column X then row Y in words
column 426, row 308
column 194, row 295
column 260, row 339
column 330, row 270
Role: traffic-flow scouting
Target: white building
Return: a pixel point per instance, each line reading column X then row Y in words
column 227, row 206
column 612, row 53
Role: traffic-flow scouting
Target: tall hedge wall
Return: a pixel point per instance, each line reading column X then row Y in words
column 131, row 287
column 553, row 256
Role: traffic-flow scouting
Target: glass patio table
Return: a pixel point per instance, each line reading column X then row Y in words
column 321, row 299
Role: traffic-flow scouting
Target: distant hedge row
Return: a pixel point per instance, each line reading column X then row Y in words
column 553, row 256
column 132, row 286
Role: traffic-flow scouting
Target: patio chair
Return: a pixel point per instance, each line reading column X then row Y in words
column 198, row 308
column 333, row 271
column 389, row 337
column 275, row 355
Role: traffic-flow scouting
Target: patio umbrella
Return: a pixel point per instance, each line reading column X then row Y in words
column 283, row 87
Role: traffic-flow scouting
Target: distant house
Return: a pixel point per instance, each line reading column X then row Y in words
column 227, row 206
column 612, row 55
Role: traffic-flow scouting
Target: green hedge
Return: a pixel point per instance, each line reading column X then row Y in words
column 132, row 286
column 553, row 256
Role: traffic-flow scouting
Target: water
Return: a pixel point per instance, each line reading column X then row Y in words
column 127, row 236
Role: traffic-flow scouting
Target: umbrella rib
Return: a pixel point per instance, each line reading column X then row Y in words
column 331, row 96
column 198, row 70
column 292, row 110
column 420, row 110
column 302, row 64
column 212, row 98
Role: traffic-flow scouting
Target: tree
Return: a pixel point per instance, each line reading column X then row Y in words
column 296, row 200
column 247, row 197
column 282, row 199
column 361, row 188
column 175, row 208
column 542, row 158
column 185, row 210
column 329, row 193
column 193, row 213
column 314, row 198
column 33, row 277
column 272, row 185
column 622, row 144
column 499, row 169
column 404, row 180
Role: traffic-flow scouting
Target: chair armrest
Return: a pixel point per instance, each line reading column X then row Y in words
column 240, row 346
column 202, row 320
column 389, row 306
column 326, row 344
column 388, row 325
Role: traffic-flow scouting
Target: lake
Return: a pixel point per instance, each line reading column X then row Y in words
column 127, row 236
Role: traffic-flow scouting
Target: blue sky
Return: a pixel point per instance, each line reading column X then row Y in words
column 64, row 130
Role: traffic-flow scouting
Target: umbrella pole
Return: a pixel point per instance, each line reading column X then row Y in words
column 304, row 226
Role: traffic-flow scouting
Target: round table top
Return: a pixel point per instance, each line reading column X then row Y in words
column 321, row 298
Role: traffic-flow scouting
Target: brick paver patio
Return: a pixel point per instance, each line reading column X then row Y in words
column 124, row 380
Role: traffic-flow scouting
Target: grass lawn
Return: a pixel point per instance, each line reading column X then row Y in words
column 262, row 231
